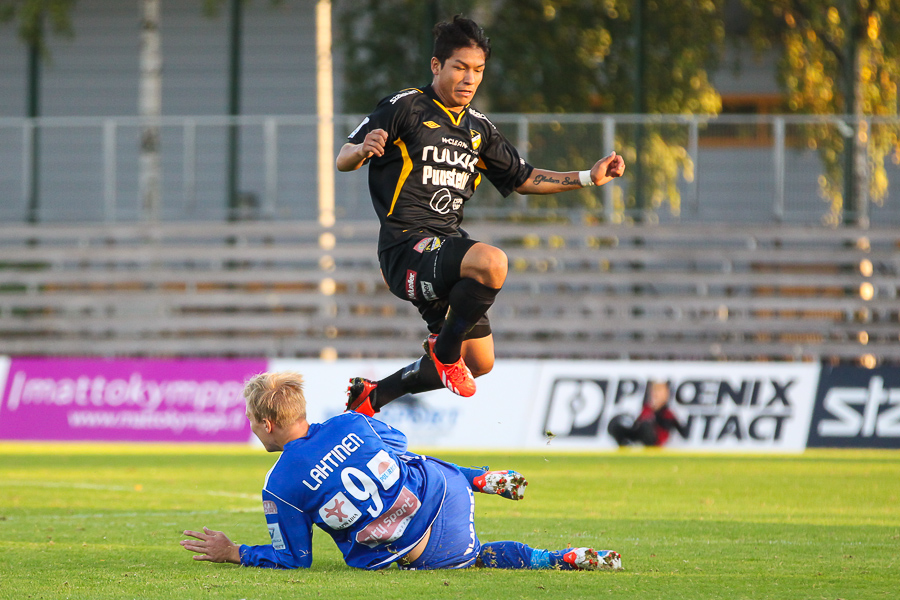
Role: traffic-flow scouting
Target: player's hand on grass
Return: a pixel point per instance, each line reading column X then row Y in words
column 608, row 168
column 213, row 546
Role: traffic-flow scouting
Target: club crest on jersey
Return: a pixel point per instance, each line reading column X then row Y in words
column 429, row 244
column 476, row 139
column 339, row 512
column 431, row 124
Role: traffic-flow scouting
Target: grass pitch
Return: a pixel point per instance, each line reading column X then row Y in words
column 104, row 521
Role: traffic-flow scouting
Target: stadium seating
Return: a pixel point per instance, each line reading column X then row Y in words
column 288, row 288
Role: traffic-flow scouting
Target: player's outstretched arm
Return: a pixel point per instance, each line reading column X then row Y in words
column 213, row 546
column 604, row 170
column 352, row 156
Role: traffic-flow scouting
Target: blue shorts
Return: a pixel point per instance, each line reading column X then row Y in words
column 453, row 543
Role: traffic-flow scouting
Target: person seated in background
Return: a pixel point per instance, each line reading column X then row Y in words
column 653, row 426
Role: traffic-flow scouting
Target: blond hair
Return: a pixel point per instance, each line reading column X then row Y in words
column 277, row 397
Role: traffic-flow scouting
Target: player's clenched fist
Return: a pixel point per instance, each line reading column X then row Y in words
column 353, row 156
column 374, row 143
column 607, row 168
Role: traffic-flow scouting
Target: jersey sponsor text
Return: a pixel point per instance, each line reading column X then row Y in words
column 391, row 525
column 466, row 160
column 444, row 178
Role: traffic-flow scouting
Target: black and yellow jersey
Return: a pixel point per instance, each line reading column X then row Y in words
column 434, row 160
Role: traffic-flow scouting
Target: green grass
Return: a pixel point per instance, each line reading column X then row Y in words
column 104, row 521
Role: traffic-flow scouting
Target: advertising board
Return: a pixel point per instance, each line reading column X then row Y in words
column 857, row 408
column 520, row 405
column 126, row 400
column 723, row 406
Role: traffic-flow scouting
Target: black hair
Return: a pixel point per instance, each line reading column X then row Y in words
column 461, row 33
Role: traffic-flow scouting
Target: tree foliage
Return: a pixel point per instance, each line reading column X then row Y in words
column 840, row 57
column 583, row 56
column 387, row 45
column 566, row 56
column 33, row 16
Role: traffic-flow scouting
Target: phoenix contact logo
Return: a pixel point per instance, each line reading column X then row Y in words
column 714, row 410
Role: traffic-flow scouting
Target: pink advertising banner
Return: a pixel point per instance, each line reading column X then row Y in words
column 125, row 400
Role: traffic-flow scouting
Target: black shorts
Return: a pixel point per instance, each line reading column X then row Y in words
column 422, row 270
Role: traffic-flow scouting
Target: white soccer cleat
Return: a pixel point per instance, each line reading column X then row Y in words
column 588, row 559
column 508, row 484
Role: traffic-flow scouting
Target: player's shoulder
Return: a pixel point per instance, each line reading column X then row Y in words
column 481, row 117
column 347, row 423
column 404, row 97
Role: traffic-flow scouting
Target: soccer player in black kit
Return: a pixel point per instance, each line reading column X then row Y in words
column 428, row 150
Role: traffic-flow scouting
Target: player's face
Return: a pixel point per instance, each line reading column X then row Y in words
column 457, row 80
column 259, row 430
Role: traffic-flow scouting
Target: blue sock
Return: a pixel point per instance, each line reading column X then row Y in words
column 516, row 555
column 471, row 473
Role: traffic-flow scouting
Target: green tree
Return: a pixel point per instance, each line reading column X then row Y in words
column 574, row 56
column 387, row 44
column 612, row 56
column 840, row 57
column 32, row 16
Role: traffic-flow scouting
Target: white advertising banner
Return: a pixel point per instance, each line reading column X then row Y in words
column 723, row 406
column 495, row 417
column 566, row 405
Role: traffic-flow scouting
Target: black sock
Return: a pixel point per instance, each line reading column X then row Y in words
column 469, row 301
column 420, row 376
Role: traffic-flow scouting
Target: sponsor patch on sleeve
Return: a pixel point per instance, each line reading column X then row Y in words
column 269, row 507
column 275, row 534
column 385, row 469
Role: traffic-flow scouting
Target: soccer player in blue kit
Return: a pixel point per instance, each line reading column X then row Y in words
column 354, row 478
column 427, row 150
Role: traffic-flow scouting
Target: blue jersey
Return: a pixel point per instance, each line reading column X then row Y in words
column 352, row 477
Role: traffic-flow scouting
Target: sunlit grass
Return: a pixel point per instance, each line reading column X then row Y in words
column 104, row 521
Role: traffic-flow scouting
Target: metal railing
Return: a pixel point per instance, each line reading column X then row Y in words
column 732, row 169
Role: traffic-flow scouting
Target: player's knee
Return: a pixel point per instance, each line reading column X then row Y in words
column 499, row 262
column 491, row 266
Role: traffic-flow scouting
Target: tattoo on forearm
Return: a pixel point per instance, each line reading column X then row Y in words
column 539, row 179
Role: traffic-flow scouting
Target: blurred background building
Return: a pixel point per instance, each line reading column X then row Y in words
column 731, row 237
